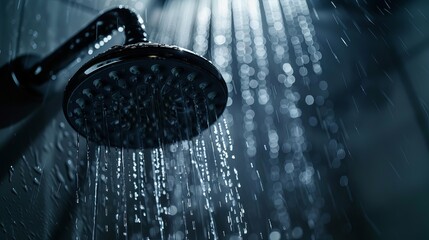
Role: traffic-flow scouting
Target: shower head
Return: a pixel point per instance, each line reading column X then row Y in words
column 140, row 95
column 144, row 95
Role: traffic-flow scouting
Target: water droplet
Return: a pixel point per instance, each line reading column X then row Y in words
column 344, row 181
column 36, row 181
column 11, row 171
column 38, row 170
column 297, row 233
column 309, row 100
column 275, row 235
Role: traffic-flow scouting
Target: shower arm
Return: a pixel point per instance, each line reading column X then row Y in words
column 102, row 26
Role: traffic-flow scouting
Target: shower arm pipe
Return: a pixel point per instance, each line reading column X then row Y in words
column 102, row 26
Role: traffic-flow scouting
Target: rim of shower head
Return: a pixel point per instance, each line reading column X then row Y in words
column 144, row 95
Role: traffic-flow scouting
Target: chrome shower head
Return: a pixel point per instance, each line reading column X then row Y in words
column 144, row 95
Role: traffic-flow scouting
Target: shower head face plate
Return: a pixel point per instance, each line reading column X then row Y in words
column 143, row 96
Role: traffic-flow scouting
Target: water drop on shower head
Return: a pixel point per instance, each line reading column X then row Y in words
column 144, row 95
